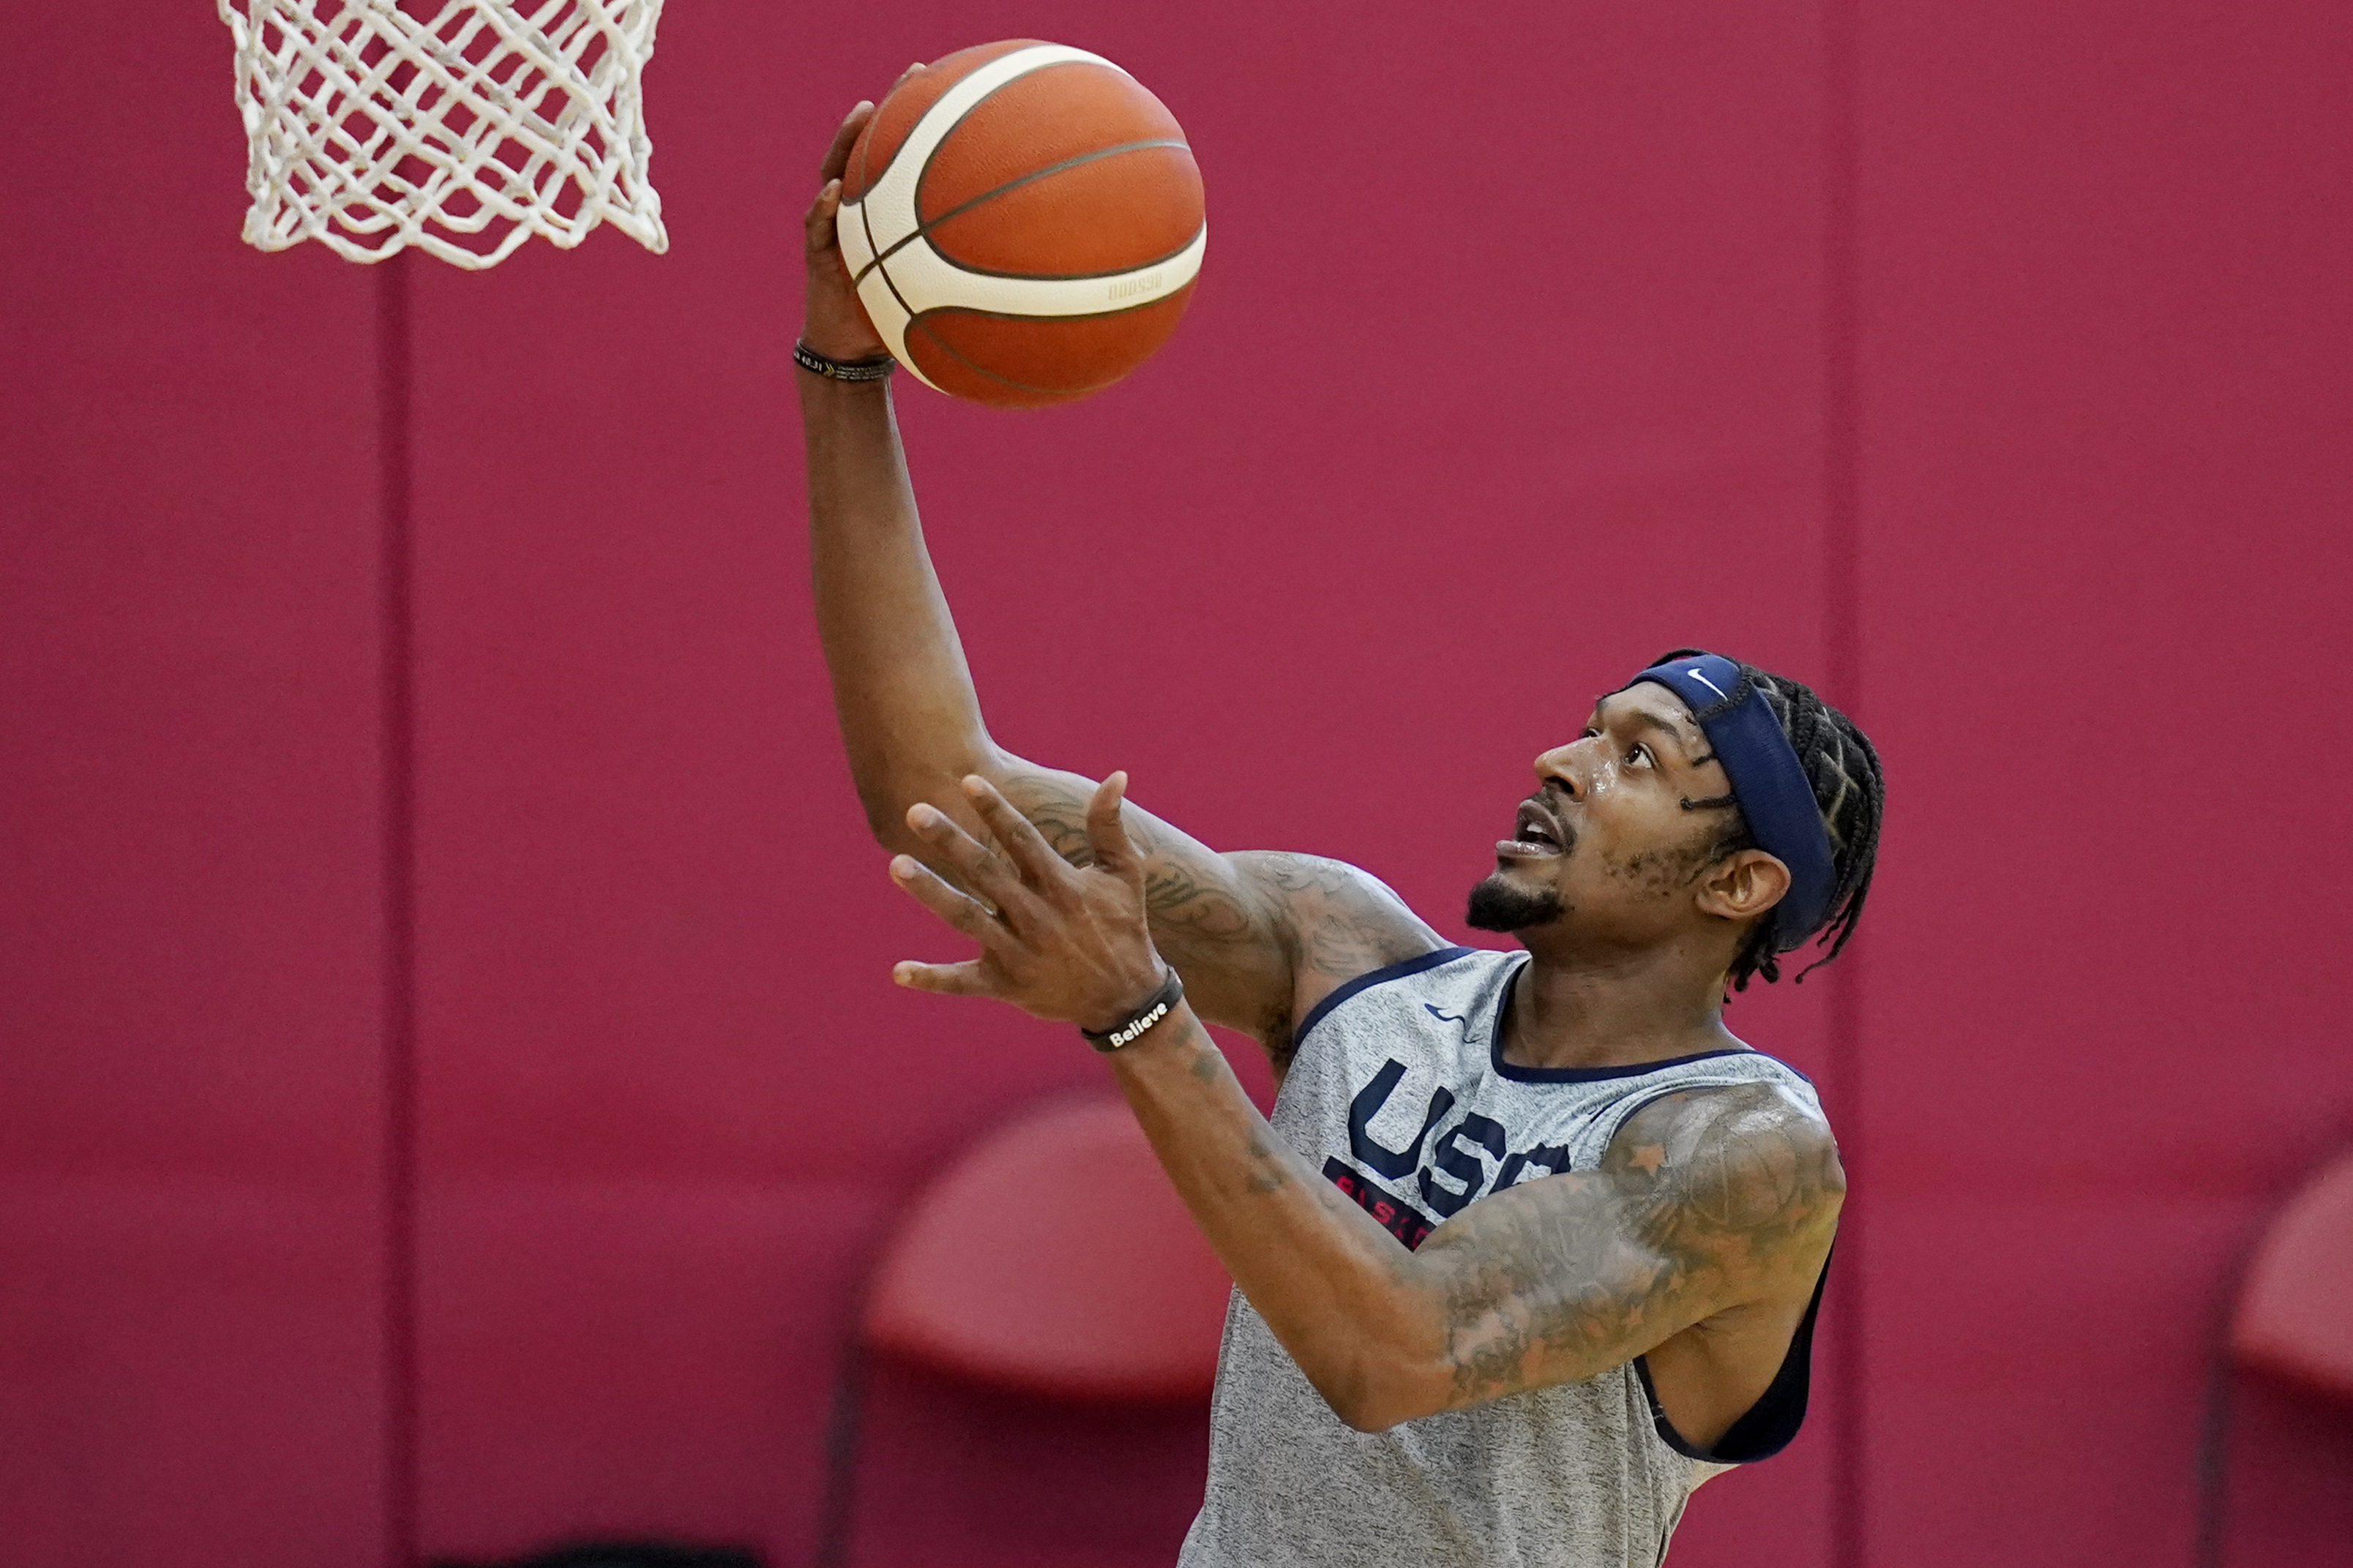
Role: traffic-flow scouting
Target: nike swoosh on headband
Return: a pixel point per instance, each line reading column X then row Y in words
column 1767, row 780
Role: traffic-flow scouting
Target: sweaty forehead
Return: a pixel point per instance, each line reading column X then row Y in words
column 1648, row 703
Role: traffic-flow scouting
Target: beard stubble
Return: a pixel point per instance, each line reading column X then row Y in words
column 1496, row 905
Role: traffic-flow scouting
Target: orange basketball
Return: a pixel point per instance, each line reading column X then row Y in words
column 1023, row 222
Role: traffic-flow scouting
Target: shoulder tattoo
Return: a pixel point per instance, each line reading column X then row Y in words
column 1705, row 1198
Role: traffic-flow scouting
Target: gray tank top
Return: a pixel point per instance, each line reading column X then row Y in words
column 1399, row 1095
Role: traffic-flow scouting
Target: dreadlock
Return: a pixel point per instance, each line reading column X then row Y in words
column 1843, row 770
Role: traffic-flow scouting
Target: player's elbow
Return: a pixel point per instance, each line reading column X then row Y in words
column 886, row 816
column 888, row 787
column 1370, row 1415
column 1381, row 1391
column 1359, row 1410
column 887, row 800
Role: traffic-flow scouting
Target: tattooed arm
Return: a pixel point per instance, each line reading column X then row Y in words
column 1705, row 1224
column 1257, row 937
column 1712, row 1209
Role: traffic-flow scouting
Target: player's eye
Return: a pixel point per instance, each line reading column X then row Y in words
column 1639, row 757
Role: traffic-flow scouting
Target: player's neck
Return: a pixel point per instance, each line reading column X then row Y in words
column 1616, row 1010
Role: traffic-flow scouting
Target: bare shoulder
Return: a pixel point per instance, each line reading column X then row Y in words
column 1328, row 920
column 1735, row 1180
column 1343, row 921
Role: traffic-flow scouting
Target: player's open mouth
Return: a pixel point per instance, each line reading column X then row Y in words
column 1536, row 836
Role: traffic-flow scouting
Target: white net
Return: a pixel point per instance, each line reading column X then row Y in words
column 464, row 127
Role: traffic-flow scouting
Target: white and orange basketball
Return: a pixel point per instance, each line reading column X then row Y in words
column 1023, row 222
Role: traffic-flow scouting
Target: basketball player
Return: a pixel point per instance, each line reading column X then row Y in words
column 1533, row 1244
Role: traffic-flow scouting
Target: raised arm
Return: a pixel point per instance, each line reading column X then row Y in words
column 1256, row 936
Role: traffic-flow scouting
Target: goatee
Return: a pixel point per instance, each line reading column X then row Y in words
column 1496, row 905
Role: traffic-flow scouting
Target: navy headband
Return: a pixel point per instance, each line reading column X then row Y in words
column 1767, row 780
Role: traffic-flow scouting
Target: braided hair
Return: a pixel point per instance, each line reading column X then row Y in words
column 1843, row 770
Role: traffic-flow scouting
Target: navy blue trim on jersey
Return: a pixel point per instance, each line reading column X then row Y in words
column 1767, row 780
column 1577, row 1075
column 1766, row 1428
column 1375, row 977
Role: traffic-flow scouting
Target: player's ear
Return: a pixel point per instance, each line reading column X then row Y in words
column 1743, row 884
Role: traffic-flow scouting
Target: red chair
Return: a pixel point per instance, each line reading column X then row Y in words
column 2291, row 1322
column 1036, row 1348
column 2295, row 1318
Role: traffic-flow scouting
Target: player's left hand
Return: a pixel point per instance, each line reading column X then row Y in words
column 1060, row 942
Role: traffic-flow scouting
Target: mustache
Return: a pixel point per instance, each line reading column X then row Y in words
column 1540, row 805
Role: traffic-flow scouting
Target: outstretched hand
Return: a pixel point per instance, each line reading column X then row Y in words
column 1059, row 941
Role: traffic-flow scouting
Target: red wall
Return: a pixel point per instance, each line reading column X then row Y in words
column 2103, row 346
column 1986, row 365
column 191, row 1208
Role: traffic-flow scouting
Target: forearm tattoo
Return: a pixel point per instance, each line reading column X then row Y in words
column 1190, row 911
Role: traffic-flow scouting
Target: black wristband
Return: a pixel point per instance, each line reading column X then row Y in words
column 832, row 369
column 1156, row 1006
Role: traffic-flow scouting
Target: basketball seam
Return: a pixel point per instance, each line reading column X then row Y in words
column 866, row 211
column 884, row 273
column 924, row 227
column 1018, row 316
column 944, row 283
column 915, row 195
column 906, row 168
column 923, row 323
column 866, row 222
column 1074, row 391
column 1073, row 276
column 1024, row 47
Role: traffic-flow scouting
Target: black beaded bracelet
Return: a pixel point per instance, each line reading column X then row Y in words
column 1158, row 1006
column 809, row 358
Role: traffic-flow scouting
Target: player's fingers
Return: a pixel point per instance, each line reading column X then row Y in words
column 904, row 75
column 1107, row 829
column 1039, row 866
column 820, row 221
column 965, row 913
column 837, row 157
column 965, row 979
column 985, row 873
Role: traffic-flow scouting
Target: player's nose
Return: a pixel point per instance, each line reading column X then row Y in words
column 1564, row 767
